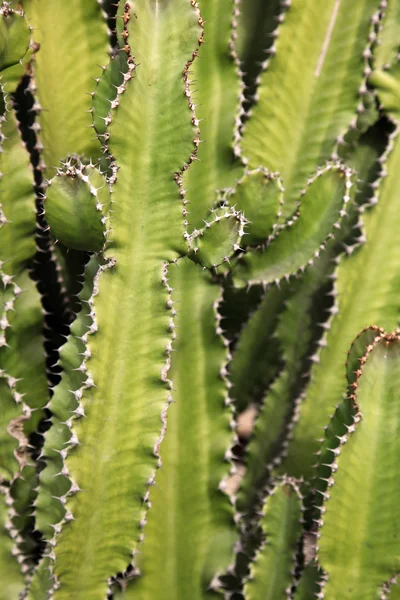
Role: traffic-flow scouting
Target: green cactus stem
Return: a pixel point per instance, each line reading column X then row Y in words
column 300, row 132
column 363, row 466
column 183, row 555
column 272, row 573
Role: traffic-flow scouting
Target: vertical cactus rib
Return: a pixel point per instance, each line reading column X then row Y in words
column 299, row 132
column 23, row 384
column 363, row 466
column 112, row 454
column 74, row 33
column 216, row 93
column 65, row 403
column 181, row 556
column 21, row 352
column 272, row 573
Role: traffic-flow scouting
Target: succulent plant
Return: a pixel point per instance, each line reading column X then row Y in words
column 199, row 262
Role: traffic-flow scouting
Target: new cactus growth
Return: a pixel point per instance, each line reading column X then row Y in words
column 198, row 232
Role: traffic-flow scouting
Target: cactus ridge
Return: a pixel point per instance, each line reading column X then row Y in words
column 350, row 314
column 201, row 510
column 324, row 114
column 84, row 28
column 272, row 573
column 309, row 230
column 114, row 271
column 372, row 399
column 218, row 100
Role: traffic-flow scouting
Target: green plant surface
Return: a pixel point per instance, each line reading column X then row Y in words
column 391, row 590
column 183, row 554
column 12, row 582
column 259, row 196
column 257, row 27
column 216, row 93
column 293, row 336
column 305, row 104
column 73, row 34
column 22, row 359
column 15, row 36
column 305, row 234
column 360, row 302
column 256, row 356
column 364, row 467
column 64, row 404
column 388, row 85
column 76, row 204
column 272, row 573
column 107, row 90
column 127, row 389
column 213, row 245
column 308, row 586
column 385, row 52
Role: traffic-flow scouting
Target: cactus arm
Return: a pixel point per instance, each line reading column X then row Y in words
column 364, row 467
column 293, row 336
column 215, row 244
column 182, row 555
column 260, row 197
column 119, row 439
column 353, row 309
column 305, row 235
column 14, row 36
column 74, row 33
column 76, row 206
column 218, row 88
column 272, row 573
column 299, row 133
column 385, row 52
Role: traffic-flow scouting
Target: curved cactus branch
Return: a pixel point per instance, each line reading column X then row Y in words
column 259, row 195
column 305, row 234
column 358, row 303
column 299, row 133
column 76, row 206
column 364, row 466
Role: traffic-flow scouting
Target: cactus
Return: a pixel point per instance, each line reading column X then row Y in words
column 192, row 238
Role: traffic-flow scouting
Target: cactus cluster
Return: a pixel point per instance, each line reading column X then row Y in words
column 199, row 299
